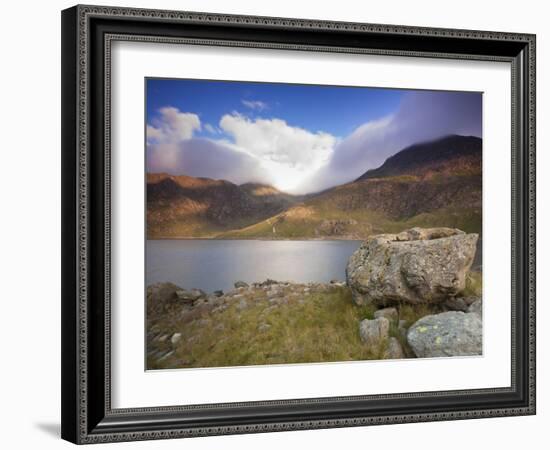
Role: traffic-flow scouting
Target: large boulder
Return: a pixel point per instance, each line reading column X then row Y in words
column 414, row 266
column 452, row 333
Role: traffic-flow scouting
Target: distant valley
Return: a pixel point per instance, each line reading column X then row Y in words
column 429, row 184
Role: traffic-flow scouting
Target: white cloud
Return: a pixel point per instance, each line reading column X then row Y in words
column 199, row 157
column 288, row 153
column 273, row 140
column 173, row 126
column 257, row 105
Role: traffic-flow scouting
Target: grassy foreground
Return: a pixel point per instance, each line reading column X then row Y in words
column 304, row 324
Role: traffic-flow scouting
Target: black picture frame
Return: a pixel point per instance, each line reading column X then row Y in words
column 87, row 415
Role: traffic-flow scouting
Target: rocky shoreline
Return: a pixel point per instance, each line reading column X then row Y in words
column 410, row 300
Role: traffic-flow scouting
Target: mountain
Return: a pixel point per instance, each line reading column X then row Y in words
column 446, row 156
column 183, row 206
column 436, row 183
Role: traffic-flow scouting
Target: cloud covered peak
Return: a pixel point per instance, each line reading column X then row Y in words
column 295, row 159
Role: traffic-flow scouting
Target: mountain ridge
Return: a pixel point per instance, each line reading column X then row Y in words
column 436, row 183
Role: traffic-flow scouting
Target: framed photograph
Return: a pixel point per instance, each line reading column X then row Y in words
column 279, row 224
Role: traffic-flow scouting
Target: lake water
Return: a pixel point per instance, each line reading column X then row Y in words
column 217, row 264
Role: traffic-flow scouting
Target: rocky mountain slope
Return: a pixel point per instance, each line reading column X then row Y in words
column 437, row 183
column 432, row 184
column 183, row 206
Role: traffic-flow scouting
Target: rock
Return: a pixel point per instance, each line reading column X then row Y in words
column 163, row 338
column 402, row 328
column 389, row 313
column 219, row 309
column 460, row 303
column 160, row 295
column 218, row 293
column 334, row 227
column 240, row 284
column 373, row 332
column 190, row 296
column 456, row 304
column 213, row 300
column 267, row 282
column 176, row 337
column 476, row 308
column 415, row 266
column 166, row 356
column 452, row 333
column 275, row 292
column 243, row 304
column 394, row 349
column 263, row 327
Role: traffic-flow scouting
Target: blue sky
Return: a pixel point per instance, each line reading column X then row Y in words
column 335, row 110
column 298, row 138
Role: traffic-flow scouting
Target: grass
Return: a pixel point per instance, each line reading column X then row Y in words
column 312, row 327
column 323, row 327
column 473, row 284
column 366, row 222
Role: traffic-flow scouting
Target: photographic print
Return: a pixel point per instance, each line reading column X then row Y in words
column 293, row 223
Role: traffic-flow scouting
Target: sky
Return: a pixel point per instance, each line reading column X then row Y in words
column 298, row 138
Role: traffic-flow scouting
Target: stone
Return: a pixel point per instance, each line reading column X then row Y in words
column 218, row 293
column 402, row 328
column 476, row 308
column 240, row 284
column 190, row 296
column 460, row 303
column 452, row 333
column 456, row 304
column 394, row 350
column 166, row 356
column 389, row 313
column 415, row 266
column 374, row 332
column 263, row 327
column 243, row 304
column 275, row 292
column 176, row 337
column 161, row 295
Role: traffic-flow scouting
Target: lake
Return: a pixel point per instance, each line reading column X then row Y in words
column 216, row 264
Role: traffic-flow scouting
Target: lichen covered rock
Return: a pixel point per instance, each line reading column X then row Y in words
column 452, row 333
column 415, row 266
